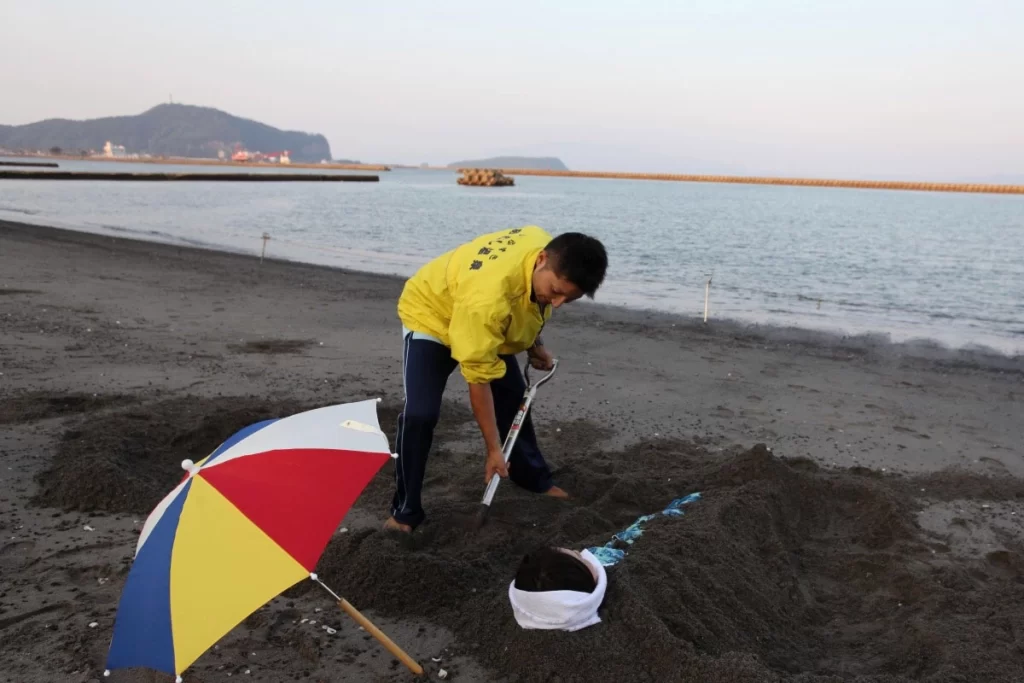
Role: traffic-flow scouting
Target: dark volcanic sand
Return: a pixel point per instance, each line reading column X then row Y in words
column 121, row 359
column 783, row 569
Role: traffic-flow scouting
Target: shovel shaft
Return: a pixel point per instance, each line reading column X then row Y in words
column 510, row 442
column 513, row 432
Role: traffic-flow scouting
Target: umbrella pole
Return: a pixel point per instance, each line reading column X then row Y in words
column 388, row 644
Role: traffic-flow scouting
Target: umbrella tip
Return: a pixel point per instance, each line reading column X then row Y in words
column 187, row 465
column 313, row 576
column 106, row 673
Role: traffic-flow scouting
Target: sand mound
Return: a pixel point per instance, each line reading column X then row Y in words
column 783, row 571
column 127, row 461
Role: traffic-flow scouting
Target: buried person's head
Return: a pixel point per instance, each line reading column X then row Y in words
column 557, row 588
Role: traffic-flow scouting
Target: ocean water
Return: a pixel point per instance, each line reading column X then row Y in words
column 911, row 265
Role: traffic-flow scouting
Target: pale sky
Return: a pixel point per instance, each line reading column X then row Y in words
column 904, row 88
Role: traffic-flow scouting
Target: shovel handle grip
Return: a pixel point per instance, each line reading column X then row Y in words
column 545, row 378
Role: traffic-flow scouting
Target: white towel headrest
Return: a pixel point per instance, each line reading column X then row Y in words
column 560, row 610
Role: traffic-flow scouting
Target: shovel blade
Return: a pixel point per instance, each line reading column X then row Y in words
column 480, row 518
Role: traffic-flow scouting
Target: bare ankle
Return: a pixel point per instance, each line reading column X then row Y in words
column 394, row 525
column 557, row 492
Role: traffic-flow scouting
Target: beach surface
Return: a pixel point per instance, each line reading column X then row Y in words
column 861, row 516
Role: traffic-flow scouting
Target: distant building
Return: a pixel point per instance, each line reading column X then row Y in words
column 242, row 154
column 114, row 151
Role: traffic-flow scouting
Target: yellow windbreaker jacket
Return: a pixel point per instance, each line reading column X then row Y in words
column 475, row 299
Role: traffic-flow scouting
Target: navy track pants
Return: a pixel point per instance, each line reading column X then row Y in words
column 426, row 366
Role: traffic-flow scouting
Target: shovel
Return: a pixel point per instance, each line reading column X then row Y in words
column 510, row 439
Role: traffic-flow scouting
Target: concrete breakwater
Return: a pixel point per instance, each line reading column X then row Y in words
column 221, row 177
column 758, row 180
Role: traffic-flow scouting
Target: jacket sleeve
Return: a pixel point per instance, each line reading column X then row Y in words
column 476, row 333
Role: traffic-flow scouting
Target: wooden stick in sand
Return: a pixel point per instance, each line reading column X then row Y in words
column 388, row 644
column 347, row 607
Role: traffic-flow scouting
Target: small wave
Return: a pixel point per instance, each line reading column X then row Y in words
column 134, row 231
column 12, row 209
column 118, row 228
column 856, row 304
column 161, row 236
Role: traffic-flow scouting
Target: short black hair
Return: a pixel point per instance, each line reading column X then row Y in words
column 551, row 569
column 580, row 259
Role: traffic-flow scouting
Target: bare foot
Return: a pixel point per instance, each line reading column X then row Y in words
column 393, row 525
column 556, row 492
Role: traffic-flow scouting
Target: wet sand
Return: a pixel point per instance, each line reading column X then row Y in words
column 850, row 549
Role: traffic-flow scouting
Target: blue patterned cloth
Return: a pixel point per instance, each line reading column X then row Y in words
column 608, row 555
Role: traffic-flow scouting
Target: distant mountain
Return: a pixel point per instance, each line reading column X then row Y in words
column 537, row 163
column 166, row 130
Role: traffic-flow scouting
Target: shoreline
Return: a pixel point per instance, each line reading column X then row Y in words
column 666, row 332
column 121, row 357
column 857, row 342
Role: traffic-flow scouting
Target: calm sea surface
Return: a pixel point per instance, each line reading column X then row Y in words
column 944, row 267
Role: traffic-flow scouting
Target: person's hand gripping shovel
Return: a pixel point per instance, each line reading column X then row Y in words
column 510, row 440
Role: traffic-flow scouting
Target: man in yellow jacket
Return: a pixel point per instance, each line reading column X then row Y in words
column 476, row 307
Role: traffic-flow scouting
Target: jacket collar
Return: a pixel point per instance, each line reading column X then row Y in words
column 529, row 264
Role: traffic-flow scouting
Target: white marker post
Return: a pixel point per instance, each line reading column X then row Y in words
column 263, row 252
column 707, row 295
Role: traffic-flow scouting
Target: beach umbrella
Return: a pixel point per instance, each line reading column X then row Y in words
column 246, row 523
